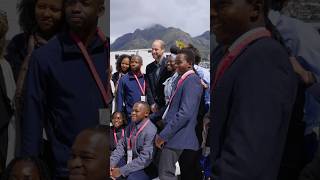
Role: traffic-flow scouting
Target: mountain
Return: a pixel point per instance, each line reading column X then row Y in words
column 142, row 39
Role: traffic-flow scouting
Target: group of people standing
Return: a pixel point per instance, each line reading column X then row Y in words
column 155, row 123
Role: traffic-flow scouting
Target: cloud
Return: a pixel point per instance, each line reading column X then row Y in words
column 191, row 16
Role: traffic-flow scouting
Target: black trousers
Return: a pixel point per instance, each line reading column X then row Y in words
column 189, row 162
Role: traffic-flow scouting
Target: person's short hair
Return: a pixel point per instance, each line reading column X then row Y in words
column 162, row 43
column 174, row 49
column 120, row 59
column 145, row 104
column 136, row 57
column 196, row 52
column 189, row 55
column 38, row 163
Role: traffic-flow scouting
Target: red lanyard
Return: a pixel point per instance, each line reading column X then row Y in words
column 143, row 90
column 106, row 96
column 136, row 136
column 115, row 135
column 183, row 77
column 230, row 57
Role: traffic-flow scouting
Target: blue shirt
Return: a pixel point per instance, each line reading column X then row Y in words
column 304, row 42
column 62, row 96
column 129, row 92
column 204, row 74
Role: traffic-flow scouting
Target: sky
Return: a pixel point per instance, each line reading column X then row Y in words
column 191, row 16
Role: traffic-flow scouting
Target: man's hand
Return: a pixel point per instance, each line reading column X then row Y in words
column 204, row 85
column 159, row 142
column 307, row 76
column 115, row 172
column 154, row 107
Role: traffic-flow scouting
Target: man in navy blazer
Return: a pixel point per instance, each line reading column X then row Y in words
column 180, row 118
column 252, row 100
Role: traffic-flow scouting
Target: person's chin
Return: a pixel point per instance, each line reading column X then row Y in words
column 77, row 177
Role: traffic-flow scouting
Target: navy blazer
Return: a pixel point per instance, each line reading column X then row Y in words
column 181, row 119
column 61, row 96
column 252, row 105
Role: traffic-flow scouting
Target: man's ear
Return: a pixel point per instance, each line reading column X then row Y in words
column 257, row 9
column 146, row 114
column 101, row 10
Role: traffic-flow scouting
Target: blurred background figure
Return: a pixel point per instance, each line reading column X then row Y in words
column 7, row 88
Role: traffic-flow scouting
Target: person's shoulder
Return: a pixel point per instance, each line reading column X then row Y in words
column 19, row 41
column 51, row 49
column 294, row 27
column 21, row 37
column 266, row 53
column 126, row 76
column 150, row 65
column 194, row 77
column 152, row 128
column 267, row 47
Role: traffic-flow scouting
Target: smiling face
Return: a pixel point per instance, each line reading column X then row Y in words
column 182, row 64
column 89, row 157
column 125, row 64
column 157, row 50
column 139, row 112
column 49, row 14
column 117, row 120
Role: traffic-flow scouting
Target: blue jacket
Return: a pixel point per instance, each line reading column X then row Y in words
column 61, row 96
column 129, row 92
column 250, row 112
column 181, row 118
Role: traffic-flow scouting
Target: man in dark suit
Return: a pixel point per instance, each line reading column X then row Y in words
column 253, row 92
column 157, row 73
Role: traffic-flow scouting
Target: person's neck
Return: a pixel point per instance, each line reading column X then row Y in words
column 45, row 35
column 250, row 27
column 137, row 73
column 158, row 60
column 182, row 73
column 86, row 36
column 118, row 128
column 139, row 121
